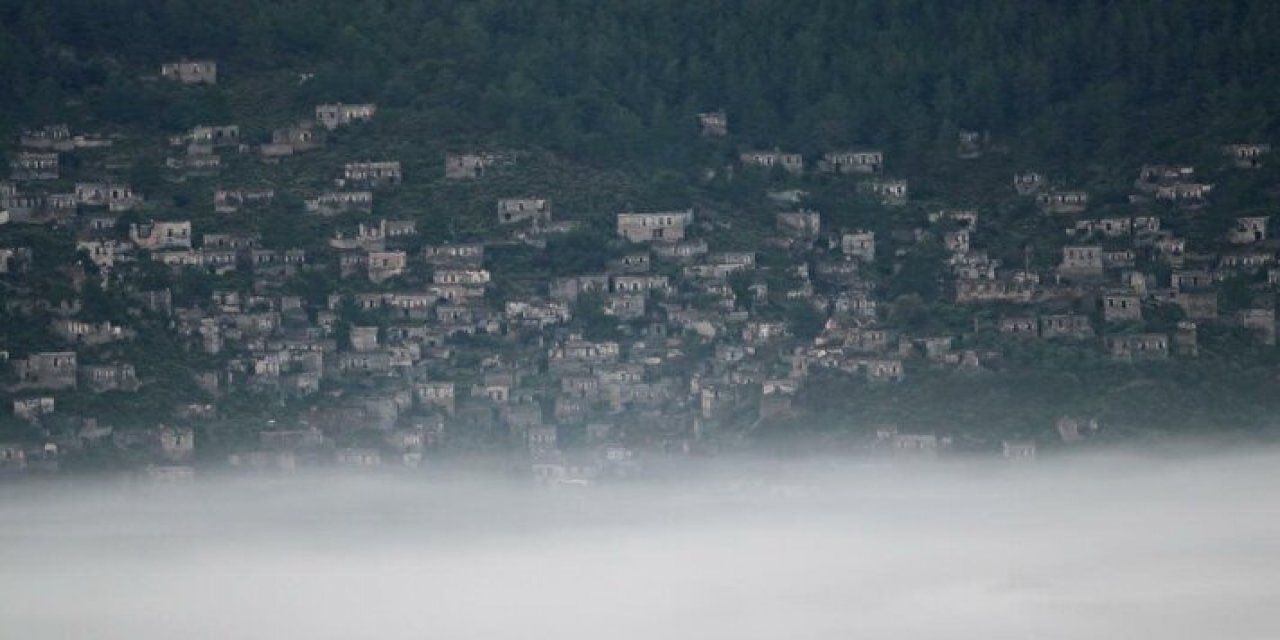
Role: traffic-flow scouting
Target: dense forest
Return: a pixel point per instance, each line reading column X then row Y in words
column 610, row 81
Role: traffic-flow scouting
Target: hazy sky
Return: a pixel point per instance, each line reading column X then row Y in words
column 1114, row 548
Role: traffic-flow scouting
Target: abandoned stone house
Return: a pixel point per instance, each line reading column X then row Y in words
column 640, row 283
column 517, row 210
column 681, row 251
column 973, row 291
column 89, row 333
column 332, row 116
column 1245, row 262
column 191, row 71
column 195, row 165
column 335, row 202
column 970, row 144
column 435, row 394
column 1117, row 227
column 859, row 244
column 54, row 137
column 203, row 138
column 1246, row 156
column 1019, row 327
column 47, row 370
column 1018, row 449
column 1121, row 306
column 1138, row 346
column 567, row 289
column 292, row 139
column 667, row 226
column 232, row 200
column 30, row 165
column 33, row 409
column 714, row 123
column 454, row 255
column 383, row 265
column 372, row 174
column 1081, row 262
column 161, row 235
column 1028, row 183
column 1248, row 230
column 14, row 259
column 116, row 197
column 956, row 241
column 630, row 263
column 471, row 277
column 1185, row 193
column 1072, row 326
column 1196, row 305
column 800, row 224
column 461, row 166
column 853, row 161
column 1063, row 202
column 892, row 192
column 1153, row 176
column 1262, row 321
column 1193, row 280
column 790, row 162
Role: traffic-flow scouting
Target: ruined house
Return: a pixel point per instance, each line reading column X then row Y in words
column 714, row 123
column 161, row 235
column 372, row 174
column 100, row 378
column 892, row 192
column 470, row 255
column 113, row 196
column 1072, row 326
column 1248, row 230
column 802, row 224
column 517, row 210
column 1246, row 156
column 335, row 202
column 48, row 370
column 1063, row 202
column 1081, row 262
column 1138, row 346
column 332, row 116
column 853, row 161
column 1028, row 183
column 29, row 165
column 191, row 71
column 232, row 200
column 1121, row 306
column 462, row 166
column 790, row 162
column 859, row 244
column 1262, row 321
column 666, row 226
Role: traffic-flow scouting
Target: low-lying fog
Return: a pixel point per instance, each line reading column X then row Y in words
column 1087, row 548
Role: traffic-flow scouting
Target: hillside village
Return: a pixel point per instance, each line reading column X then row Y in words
column 269, row 297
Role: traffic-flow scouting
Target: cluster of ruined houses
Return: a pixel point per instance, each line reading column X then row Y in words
column 396, row 359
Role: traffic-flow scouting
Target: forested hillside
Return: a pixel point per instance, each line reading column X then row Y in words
column 609, row 81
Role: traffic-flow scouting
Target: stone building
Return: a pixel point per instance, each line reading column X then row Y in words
column 191, row 71
column 714, row 123
column 1063, row 202
column 49, row 370
column 790, row 162
column 463, row 166
column 30, row 165
column 1138, row 346
column 853, row 161
column 1081, row 262
column 860, row 245
column 372, row 174
column 1248, row 230
column 1121, row 306
column 800, row 224
column 332, row 116
column 517, row 210
column 1028, row 183
column 1246, row 156
column 892, row 192
column 335, row 202
column 666, row 226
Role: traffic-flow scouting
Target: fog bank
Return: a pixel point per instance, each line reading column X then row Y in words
column 1110, row 548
